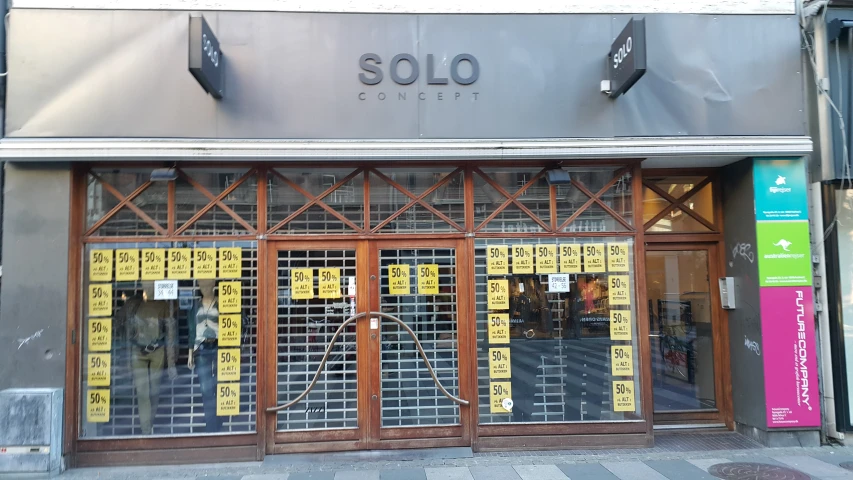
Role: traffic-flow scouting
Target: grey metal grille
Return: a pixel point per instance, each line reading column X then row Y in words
column 181, row 410
column 305, row 329
column 409, row 395
column 558, row 376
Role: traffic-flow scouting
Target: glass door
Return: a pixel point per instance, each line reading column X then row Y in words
column 684, row 331
column 417, row 371
column 316, row 351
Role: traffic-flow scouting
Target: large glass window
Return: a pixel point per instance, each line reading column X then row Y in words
column 169, row 339
column 556, row 330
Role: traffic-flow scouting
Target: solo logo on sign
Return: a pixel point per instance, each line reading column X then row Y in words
column 780, row 190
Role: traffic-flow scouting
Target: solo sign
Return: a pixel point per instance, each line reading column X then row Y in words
column 205, row 57
column 627, row 57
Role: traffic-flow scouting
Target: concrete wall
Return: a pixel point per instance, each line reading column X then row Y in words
column 744, row 321
column 33, row 300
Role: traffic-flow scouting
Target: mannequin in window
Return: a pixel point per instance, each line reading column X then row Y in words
column 150, row 329
column 204, row 345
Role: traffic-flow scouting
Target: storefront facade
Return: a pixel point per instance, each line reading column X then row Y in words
column 391, row 231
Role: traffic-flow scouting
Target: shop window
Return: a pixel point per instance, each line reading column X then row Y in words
column 556, row 330
column 315, row 201
column 511, row 200
column 215, row 201
column 598, row 200
column 125, row 203
column 417, row 200
column 679, row 204
column 169, row 343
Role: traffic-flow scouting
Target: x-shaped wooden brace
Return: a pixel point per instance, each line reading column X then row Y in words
column 596, row 198
column 678, row 203
column 417, row 199
column 318, row 200
column 125, row 202
column 216, row 201
column 512, row 199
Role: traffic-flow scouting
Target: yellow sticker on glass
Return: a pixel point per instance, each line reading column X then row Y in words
column 204, row 263
column 98, row 405
column 127, row 265
column 497, row 260
column 98, row 367
column 623, row 396
column 500, row 397
column 622, row 360
column 230, row 297
column 498, row 328
column 498, row 294
column 153, row 263
column 619, row 291
column 330, row 282
column 100, row 265
column 398, row 280
column 302, row 283
column 593, row 258
column 227, row 399
column 230, row 262
column 499, row 365
column 100, row 334
column 570, row 258
column 100, row 300
column 620, row 324
column 522, row 259
column 228, row 365
column 230, row 327
column 179, row 263
column 546, row 259
column 428, row 279
column 617, row 257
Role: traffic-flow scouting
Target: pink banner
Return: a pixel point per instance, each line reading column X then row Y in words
column 790, row 360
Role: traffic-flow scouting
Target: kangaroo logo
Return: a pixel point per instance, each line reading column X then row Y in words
column 780, row 180
column 784, row 244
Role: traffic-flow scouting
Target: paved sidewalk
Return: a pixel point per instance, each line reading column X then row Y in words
column 674, row 457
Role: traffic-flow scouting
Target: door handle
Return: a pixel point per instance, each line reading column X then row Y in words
column 654, row 335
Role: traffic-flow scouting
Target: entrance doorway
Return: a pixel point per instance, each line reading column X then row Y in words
column 367, row 346
column 685, row 331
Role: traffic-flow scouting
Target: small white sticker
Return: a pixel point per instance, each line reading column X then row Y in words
column 165, row 290
column 374, row 323
column 351, row 287
column 558, row 282
column 507, row 404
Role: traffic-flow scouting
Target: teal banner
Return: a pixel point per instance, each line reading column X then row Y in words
column 781, row 189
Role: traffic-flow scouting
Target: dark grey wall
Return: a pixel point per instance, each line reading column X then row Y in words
column 295, row 75
column 33, row 300
column 745, row 320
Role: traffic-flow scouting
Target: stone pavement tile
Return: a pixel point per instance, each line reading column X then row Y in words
column 834, row 458
column 815, row 467
column 448, row 473
column 705, row 463
column 494, row 473
column 358, row 475
column 268, row 476
column 756, row 459
column 677, row 469
column 312, row 476
column 403, row 474
column 633, row 471
column 587, row 471
column 539, row 472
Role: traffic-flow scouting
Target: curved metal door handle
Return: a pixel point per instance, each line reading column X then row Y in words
column 334, row 340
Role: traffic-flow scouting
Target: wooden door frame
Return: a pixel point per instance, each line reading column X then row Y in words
column 306, row 441
column 720, row 341
column 368, row 434
column 424, row 437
